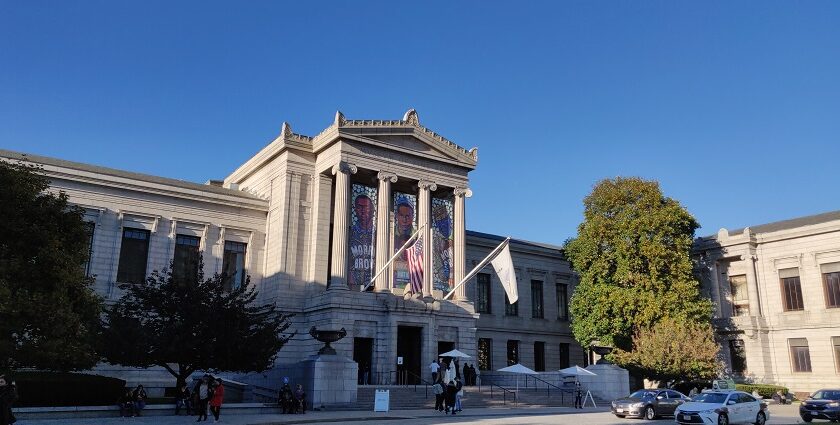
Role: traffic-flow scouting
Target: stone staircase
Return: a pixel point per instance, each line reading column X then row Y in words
column 407, row 397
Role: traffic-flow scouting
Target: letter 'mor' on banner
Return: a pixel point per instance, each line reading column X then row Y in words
column 503, row 264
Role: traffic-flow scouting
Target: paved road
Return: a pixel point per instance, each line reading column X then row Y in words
column 779, row 415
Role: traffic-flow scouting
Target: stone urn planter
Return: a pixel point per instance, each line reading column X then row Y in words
column 327, row 337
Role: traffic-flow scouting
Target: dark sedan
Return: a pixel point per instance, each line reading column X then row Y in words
column 648, row 404
column 823, row 404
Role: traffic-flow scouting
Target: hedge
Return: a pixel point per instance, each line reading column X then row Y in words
column 765, row 391
column 37, row 389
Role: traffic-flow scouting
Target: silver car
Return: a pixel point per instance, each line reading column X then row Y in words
column 648, row 404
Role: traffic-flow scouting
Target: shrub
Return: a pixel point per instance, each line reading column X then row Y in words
column 765, row 391
column 66, row 389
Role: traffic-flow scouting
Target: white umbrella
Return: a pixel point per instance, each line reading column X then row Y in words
column 518, row 368
column 577, row 371
column 454, row 353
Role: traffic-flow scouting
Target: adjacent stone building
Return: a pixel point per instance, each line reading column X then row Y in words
column 776, row 290
column 311, row 220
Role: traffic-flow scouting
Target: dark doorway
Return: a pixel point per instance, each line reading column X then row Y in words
column 363, row 355
column 444, row 346
column 410, row 348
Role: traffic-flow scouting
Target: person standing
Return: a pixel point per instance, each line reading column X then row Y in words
column 126, row 403
column 8, row 395
column 203, row 398
column 216, row 400
column 183, row 400
column 300, row 399
column 578, row 396
column 139, row 400
column 439, row 389
column 434, row 367
column 286, row 398
column 459, row 386
column 451, row 390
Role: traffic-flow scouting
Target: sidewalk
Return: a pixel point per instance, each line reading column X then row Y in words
column 310, row 417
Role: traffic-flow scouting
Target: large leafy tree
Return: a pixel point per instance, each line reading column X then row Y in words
column 632, row 254
column 49, row 314
column 190, row 324
column 673, row 350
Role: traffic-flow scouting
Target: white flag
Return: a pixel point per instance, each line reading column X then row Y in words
column 503, row 265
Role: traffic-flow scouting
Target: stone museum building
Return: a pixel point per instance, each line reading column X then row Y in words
column 311, row 219
column 776, row 290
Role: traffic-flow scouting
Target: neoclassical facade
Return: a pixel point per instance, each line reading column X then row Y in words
column 776, row 290
column 311, row 220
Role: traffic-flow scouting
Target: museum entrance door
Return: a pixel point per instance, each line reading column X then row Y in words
column 445, row 346
column 363, row 356
column 410, row 348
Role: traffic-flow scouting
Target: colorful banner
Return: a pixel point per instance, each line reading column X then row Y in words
column 443, row 241
column 362, row 235
column 405, row 223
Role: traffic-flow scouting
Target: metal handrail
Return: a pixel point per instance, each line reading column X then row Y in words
column 548, row 387
column 382, row 376
column 504, row 391
column 422, row 381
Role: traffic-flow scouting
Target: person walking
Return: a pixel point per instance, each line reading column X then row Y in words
column 578, row 396
column 140, row 397
column 216, row 400
column 183, row 399
column 451, row 390
column 434, row 367
column 8, row 395
column 439, row 389
column 203, row 399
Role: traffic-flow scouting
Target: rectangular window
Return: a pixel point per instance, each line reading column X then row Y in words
column 800, row 356
column 738, row 356
column 91, row 227
column 539, row 356
column 562, row 302
column 482, row 303
column 791, row 289
column 536, row 299
column 485, row 354
column 134, row 252
column 740, row 297
column 831, row 284
column 185, row 262
column 564, row 355
column 233, row 265
column 512, row 352
column 511, row 309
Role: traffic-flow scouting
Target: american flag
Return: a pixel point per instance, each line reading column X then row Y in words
column 415, row 266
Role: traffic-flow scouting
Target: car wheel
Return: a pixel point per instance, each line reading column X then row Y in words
column 723, row 420
column 760, row 419
column 650, row 414
column 807, row 418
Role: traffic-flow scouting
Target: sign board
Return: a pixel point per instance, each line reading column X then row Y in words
column 381, row 400
column 723, row 384
column 399, row 360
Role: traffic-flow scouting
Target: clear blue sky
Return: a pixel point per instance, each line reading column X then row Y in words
column 733, row 106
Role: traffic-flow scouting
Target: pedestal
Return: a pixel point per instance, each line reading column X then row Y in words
column 330, row 381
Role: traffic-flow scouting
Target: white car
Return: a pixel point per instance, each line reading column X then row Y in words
column 722, row 407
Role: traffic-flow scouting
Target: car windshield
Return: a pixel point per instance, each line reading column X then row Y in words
column 826, row 395
column 716, row 398
column 642, row 394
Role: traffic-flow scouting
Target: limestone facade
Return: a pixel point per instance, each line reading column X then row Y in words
column 290, row 208
column 776, row 290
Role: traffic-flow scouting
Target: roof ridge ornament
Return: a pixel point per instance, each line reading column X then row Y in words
column 411, row 117
column 339, row 121
column 286, row 130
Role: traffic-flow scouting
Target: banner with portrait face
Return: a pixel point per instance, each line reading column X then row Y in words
column 362, row 237
column 443, row 243
column 405, row 223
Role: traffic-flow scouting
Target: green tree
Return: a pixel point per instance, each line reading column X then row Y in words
column 192, row 324
column 632, row 254
column 673, row 350
column 49, row 314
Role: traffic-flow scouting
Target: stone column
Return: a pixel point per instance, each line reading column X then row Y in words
column 425, row 200
column 716, row 299
column 341, row 214
column 383, row 229
column 752, row 285
column 460, row 249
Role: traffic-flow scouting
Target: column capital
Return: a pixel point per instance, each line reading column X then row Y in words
column 427, row 184
column 384, row 175
column 463, row 191
column 344, row 167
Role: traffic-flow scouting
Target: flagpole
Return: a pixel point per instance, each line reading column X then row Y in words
column 480, row 266
column 388, row 264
